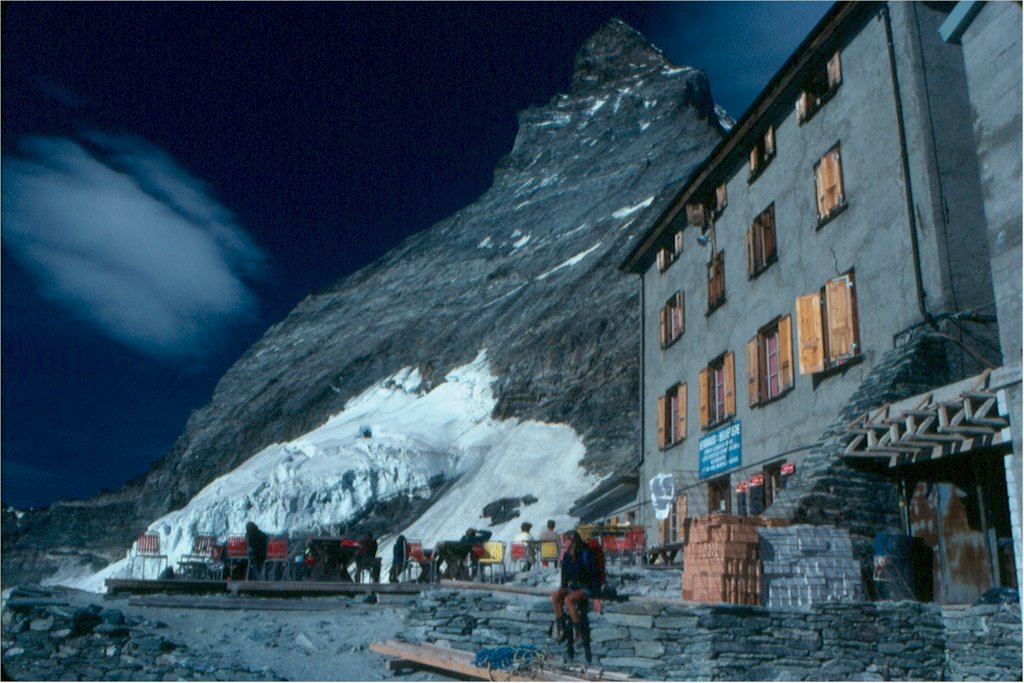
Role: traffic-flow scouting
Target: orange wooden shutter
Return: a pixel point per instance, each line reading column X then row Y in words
column 754, row 370
column 837, row 176
column 835, row 71
column 663, row 531
column 808, row 325
column 695, row 215
column 665, row 326
column 662, row 405
column 751, row 262
column 680, row 312
column 839, row 303
column 768, row 233
column 702, row 394
column 681, row 420
column 829, row 189
column 730, row 384
column 801, row 107
column 769, row 141
column 679, row 242
column 821, row 186
column 786, row 350
column 754, row 156
column 721, row 198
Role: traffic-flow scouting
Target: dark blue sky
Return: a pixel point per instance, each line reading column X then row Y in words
column 176, row 177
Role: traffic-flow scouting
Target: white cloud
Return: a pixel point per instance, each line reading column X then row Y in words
column 117, row 231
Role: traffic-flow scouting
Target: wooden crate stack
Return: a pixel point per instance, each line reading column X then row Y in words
column 722, row 561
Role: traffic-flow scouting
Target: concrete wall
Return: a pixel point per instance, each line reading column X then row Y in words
column 992, row 57
column 871, row 236
column 668, row 640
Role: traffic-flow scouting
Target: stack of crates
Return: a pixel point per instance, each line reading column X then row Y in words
column 722, row 561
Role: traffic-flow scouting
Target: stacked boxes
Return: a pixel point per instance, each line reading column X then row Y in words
column 804, row 565
column 721, row 559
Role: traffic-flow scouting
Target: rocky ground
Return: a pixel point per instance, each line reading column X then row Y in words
column 53, row 633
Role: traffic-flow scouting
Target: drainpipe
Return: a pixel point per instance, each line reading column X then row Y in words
column 643, row 419
column 908, row 192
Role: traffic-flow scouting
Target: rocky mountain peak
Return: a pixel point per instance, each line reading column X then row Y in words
column 614, row 53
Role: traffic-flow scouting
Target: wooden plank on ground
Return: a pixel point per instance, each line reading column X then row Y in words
column 164, row 586
column 236, row 602
column 323, row 587
column 461, row 662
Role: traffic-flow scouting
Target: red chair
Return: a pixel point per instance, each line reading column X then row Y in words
column 276, row 565
column 237, row 552
column 147, row 548
column 636, row 542
column 202, row 562
column 517, row 553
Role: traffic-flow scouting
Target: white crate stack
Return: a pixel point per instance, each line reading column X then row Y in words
column 804, row 565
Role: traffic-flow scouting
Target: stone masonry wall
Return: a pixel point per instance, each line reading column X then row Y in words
column 825, row 489
column 667, row 640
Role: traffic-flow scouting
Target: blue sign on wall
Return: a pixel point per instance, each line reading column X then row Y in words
column 720, row 450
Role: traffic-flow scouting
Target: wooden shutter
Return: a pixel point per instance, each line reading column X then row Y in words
column 754, row 157
column 837, row 179
column 663, row 530
column 721, row 198
column 679, row 243
column 679, row 312
column 802, row 106
column 754, row 370
column 751, row 260
column 786, row 351
column 769, row 142
column 695, row 215
column 664, row 326
column 835, row 71
column 730, row 384
column 808, row 325
column 681, row 421
column 767, row 234
column 662, row 408
column 829, row 179
column 839, row 303
column 702, row 393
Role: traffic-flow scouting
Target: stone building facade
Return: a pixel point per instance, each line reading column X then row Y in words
column 828, row 258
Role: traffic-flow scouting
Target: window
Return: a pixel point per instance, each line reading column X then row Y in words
column 770, row 361
column 821, row 86
column 716, row 281
column 761, row 242
column 827, row 328
column 667, row 255
column 828, row 185
column 672, row 320
column 717, row 391
column 721, row 201
column 718, row 495
column 762, row 153
column 772, row 482
column 696, row 216
column 672, row 416
column 676, row 520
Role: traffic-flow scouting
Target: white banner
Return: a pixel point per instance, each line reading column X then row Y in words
column 663, row 494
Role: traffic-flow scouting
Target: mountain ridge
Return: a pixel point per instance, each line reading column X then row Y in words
column 527, row 271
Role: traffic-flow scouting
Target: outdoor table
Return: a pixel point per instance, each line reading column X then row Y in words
column 665, row 553
column 332, row 555
column 452, row 555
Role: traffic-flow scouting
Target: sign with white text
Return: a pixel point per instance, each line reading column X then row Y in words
column 720, row 450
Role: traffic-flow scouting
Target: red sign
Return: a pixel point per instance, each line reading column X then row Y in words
column 788, row 468
column 741, row 487
column 757, row 480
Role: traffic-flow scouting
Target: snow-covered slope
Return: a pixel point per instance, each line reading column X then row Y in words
column 329, row 474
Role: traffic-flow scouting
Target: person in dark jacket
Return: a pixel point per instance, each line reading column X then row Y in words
column 397, row 559
column 580, row 582
column 256, row 541
column 366, row 557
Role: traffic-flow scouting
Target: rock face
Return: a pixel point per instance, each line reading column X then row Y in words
column 528, row 271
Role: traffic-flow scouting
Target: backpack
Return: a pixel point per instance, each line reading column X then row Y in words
column 595, row 547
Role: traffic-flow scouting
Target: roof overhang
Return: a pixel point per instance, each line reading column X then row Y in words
column 613, row 493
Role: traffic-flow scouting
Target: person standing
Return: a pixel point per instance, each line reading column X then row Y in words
column 256, row 541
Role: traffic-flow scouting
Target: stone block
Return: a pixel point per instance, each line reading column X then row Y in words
column 648, row 648
column 637, row 620
column 628, row 663
column 607, row 633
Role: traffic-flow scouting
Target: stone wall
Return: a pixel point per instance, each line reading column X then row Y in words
column 667, row 640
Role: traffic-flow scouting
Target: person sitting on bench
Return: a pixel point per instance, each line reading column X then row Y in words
column 580, row 583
